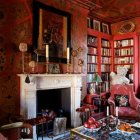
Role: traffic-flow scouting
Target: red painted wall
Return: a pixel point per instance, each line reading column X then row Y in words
column 15, row 27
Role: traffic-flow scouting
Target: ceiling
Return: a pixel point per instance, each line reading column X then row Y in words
column 111, row 11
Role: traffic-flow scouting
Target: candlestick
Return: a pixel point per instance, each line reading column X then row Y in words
column 68, row 53
column 116, row 111
column 68, row 66
column 47, row 51
column 47, row 64
column 107, row 112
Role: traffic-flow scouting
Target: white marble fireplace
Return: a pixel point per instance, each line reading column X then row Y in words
column 28, row 92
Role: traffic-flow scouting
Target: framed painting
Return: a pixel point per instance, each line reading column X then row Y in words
column 59, row 125
column 96, row 25
column 105, row 28
column 51, row 26
column 54, row 69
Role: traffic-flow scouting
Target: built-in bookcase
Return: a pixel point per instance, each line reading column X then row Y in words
column 126, row 54
column 92, row 54
column 105, row 64
column 98, row 59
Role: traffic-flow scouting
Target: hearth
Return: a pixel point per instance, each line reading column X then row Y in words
column 39, row 82
column 54, row 102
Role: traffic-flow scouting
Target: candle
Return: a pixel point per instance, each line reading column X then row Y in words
column 68, row 53
column 117, row 111
column 107, row 112
column 47, row 51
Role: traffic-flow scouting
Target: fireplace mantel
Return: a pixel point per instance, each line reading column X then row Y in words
column 50, row 81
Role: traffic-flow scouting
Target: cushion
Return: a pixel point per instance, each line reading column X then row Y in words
column 121, row 100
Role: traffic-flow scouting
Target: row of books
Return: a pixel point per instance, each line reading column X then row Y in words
column 92, row 68
column 105, row 86
column 105, row 68
column 105, row 51
column 105, row 43
column 92, row 41
column 91, row 59
column 121, row 52
column 92, row 50
column 124, row 60
column 97, row 88
column 122, row 43
column 106, row 60
column 105, row 76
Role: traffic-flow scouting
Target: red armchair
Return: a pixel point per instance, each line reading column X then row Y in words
column 132, row 111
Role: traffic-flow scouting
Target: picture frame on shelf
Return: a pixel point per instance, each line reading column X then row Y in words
column 88, row 22
column 105, row 28
column 96, row 25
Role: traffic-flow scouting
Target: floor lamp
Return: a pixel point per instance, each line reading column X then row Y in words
column 98, row 81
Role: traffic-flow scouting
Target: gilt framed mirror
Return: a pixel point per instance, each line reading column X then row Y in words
column 53, row 27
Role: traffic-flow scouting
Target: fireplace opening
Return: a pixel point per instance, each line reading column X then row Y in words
column 56, row 100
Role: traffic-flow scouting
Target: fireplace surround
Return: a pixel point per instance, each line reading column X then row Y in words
column 28, row 93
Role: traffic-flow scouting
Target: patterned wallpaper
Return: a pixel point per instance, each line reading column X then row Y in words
column 15, row 27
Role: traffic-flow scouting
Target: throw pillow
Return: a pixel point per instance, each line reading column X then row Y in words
column 122, row 100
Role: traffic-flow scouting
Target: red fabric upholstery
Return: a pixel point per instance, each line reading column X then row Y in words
column 132, row 111
column 2, row 137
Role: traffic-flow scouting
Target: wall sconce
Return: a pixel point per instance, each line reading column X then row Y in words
column 23, row 49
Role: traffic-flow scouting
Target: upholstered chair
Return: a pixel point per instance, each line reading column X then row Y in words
column 124, row 97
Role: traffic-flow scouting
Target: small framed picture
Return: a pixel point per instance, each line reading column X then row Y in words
column 59, row 125
column 105, row 28
column 96, row 25
column 88, row 22
column 54, row 68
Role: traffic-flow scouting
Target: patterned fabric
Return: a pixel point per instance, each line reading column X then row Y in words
column 122, row 100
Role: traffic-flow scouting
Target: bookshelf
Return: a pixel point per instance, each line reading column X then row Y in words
column 125, row 53
column 105, row 64
column 99, row 59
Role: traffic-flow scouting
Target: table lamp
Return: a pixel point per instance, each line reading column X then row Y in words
column 97, row 79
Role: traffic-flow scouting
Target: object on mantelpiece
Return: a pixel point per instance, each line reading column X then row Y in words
column 23, row 49
column 32, row 65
